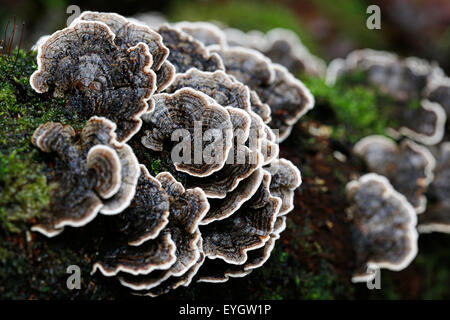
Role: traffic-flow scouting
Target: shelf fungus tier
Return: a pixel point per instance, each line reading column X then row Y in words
column 96, row 77
column 186, row 209
column 437, row 216
column 186, row 52
column 384, row 225
column 287, row 97
column 128, row 34
column 203, row 126
column 90, row 172
column 244, row 158
column 408, row 166
column 285, row 179
column 218, row 271
column 247, row 229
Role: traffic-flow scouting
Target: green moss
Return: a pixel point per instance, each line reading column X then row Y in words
column 244, row 14
column 356, row 110
column 23, row 187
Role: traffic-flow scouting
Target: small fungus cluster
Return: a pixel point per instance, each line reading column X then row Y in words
column 408, row 183
column 141, row 86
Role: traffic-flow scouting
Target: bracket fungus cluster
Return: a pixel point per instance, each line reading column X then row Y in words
column 405, row 80
column 177, row 94
column 415, row 173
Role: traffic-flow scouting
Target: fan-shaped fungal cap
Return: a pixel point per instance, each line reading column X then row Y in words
column 187, row 209
column 199, row 121
column 241, row 162
column 408, row 166
column 284, row 47
column 437, row 216
column 147, row 213
column 260, row 108
column 384, row 223
column 128, row 34
column 218, row 85
column 247, row 229
column 219, row 271
column 288, row 99
column 285, row 179
column 186, row 52
column 82, row 64
column 152, row 255
column 205, row 32
column 247, row 66
column 221, row 208
column 94, row 174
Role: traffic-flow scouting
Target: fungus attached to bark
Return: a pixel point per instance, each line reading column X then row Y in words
column 92, row 173
column 384, row 226
column 186, row 52
column 196, row 119
column 128, row 34
column 84, row 65
column 409, row 167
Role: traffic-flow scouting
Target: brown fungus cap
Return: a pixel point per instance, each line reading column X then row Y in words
column 128, row 34
column 408, row 166
column 92, row 173
column 247, row 229
column 186, row 52
column 385, row 233
column 83, row 64
column 183, row 111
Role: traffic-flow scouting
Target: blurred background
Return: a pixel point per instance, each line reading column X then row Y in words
column 328, row 28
